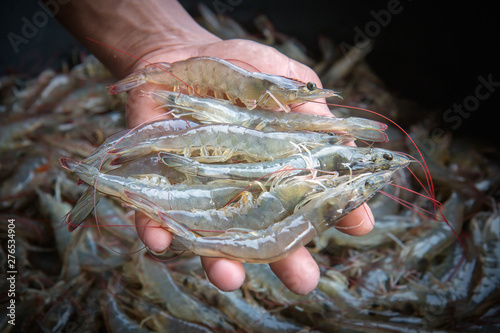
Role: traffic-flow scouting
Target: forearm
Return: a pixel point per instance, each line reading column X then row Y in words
column 136, row 27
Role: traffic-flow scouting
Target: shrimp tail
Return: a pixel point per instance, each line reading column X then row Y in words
column 173, row 226
column 369, row 135
column 177, row 245
column 367, row 129
column 180, row 163
column 68, row 163
column 129, row 153
column 82, row 209
column 130, row 82
column 369, row 123
column 87, row 173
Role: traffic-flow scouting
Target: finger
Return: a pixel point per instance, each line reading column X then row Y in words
column 152, row 235
column 298, row 272
column 141, row 108
column 225, row 274
column 358, row 222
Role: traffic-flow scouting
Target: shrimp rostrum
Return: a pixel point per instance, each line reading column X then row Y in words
column 281, row 238
column 204, row 75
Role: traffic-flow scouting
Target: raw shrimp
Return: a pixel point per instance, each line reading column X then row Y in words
column 13, row 132
column 117, row 320
column 420, row 253
column 249, row 316
column 143, row 167
column 211, row 110
column 261, row 279
column 486, row 292
column 129, row 137
column 157, row 189
column 220, row 142
column 342, row 159
column 282, row 238
column 209, row 74
column 270, row 207
column 157, row 283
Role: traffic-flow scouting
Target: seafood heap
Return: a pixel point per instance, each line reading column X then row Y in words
column 256, row 191
column 254, row 172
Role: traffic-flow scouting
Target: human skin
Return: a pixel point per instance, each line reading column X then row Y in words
column 162, row 31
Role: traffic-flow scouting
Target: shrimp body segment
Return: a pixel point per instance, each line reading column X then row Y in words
column 281, row 238
column 212, row 110
column 226, row 80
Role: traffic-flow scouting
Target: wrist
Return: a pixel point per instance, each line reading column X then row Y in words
column 140, row 29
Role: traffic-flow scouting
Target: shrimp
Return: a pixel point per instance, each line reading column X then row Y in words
column 487, row 289
column 158, row 283
column 420, row 253
column 144, row 167
column 220, row 142
column 342, row 159
column 261, row 279
column 211, row 110
column 249, row 316
column 282, row 238
column 117, row 320
column 270, row 207
column 157, row 189
column 128, row 137
column 224, row 79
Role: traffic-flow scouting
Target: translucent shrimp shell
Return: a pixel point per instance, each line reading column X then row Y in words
column 224, row 79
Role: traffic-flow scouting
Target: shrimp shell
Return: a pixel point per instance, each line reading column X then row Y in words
column 212, row 110
column 224, row 79
column 270, row 207
column 337, row 158
column 157, row 189
column 128, row 137
column 281, row 238
column 220, row 142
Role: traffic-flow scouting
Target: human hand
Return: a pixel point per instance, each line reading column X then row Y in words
column 162, row 31
column 299, row 272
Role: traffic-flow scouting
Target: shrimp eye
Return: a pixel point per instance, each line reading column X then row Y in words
column 311, row 86
column 369, row 182
column 349, row 206
column 388, row 156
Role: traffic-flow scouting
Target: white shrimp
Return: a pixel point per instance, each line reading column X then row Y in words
column 224, row 79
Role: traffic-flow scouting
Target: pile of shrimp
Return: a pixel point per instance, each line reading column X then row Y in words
column 257, row 181
column 223, row 177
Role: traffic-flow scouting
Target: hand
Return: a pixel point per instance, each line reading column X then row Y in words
column 299, row 272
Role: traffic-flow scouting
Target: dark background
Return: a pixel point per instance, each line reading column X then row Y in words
column 431, row 53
